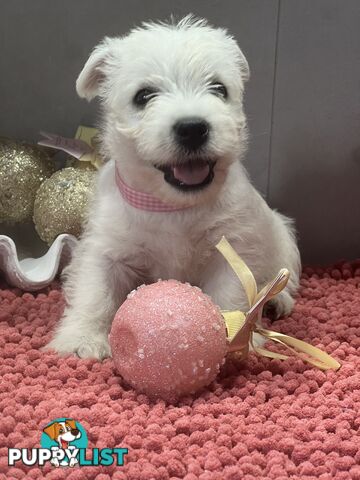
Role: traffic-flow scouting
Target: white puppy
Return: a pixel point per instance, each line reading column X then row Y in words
column 174, row 132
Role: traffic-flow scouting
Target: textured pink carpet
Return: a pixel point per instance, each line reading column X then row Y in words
column 261, row 419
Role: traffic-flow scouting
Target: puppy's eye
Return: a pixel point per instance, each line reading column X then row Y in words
column 219, row 89
column 61, row 430
column 143, row 96
column 68, row 429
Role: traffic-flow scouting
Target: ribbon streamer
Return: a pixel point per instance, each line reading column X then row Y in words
column 84, row 147
column 242, row 325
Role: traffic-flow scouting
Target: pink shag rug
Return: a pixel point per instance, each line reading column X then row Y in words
column 262, row 419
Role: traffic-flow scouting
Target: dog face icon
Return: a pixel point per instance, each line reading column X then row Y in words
column 63, row 433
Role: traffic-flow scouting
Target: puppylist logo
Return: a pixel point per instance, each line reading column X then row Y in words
column 63, row 444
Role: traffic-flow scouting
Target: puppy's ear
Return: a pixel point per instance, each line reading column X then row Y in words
column 71, row 423
column 244, row 67
column 50, row 431
column 241, row 62
column 96, row 68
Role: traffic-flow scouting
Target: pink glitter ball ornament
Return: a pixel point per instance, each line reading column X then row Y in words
column 168, row 339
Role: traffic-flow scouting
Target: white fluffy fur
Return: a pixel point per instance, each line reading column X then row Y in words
column 123, row 247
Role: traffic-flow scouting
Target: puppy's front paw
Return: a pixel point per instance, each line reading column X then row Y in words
column 279, row 306
column 55, row 462
column 94, row 348
column 73, row 462
column 88, row 345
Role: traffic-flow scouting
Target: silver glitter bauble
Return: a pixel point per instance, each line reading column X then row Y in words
column 61, row 203
column 23, row 168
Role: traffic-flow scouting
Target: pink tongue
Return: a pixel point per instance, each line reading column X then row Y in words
column 191, row 174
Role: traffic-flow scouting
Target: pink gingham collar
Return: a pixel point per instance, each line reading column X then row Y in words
column 141, row 200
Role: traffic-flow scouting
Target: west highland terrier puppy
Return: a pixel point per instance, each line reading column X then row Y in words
column 174, row 133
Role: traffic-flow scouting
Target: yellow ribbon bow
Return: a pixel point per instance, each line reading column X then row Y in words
column 90, row 136
column 241, row 326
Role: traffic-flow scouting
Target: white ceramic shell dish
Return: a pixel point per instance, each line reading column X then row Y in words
column 34, row 273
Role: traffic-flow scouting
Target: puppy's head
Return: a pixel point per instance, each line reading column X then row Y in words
column 65, row 430
column 172, row 100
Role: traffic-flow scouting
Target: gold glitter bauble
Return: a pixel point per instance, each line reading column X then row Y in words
column 23, row 168
column 73, row 162
column 61, row 203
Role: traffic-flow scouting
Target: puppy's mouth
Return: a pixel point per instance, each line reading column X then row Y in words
column 190, row 175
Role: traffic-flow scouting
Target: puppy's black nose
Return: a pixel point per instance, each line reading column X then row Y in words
column 75, row 432
column 191, row 132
